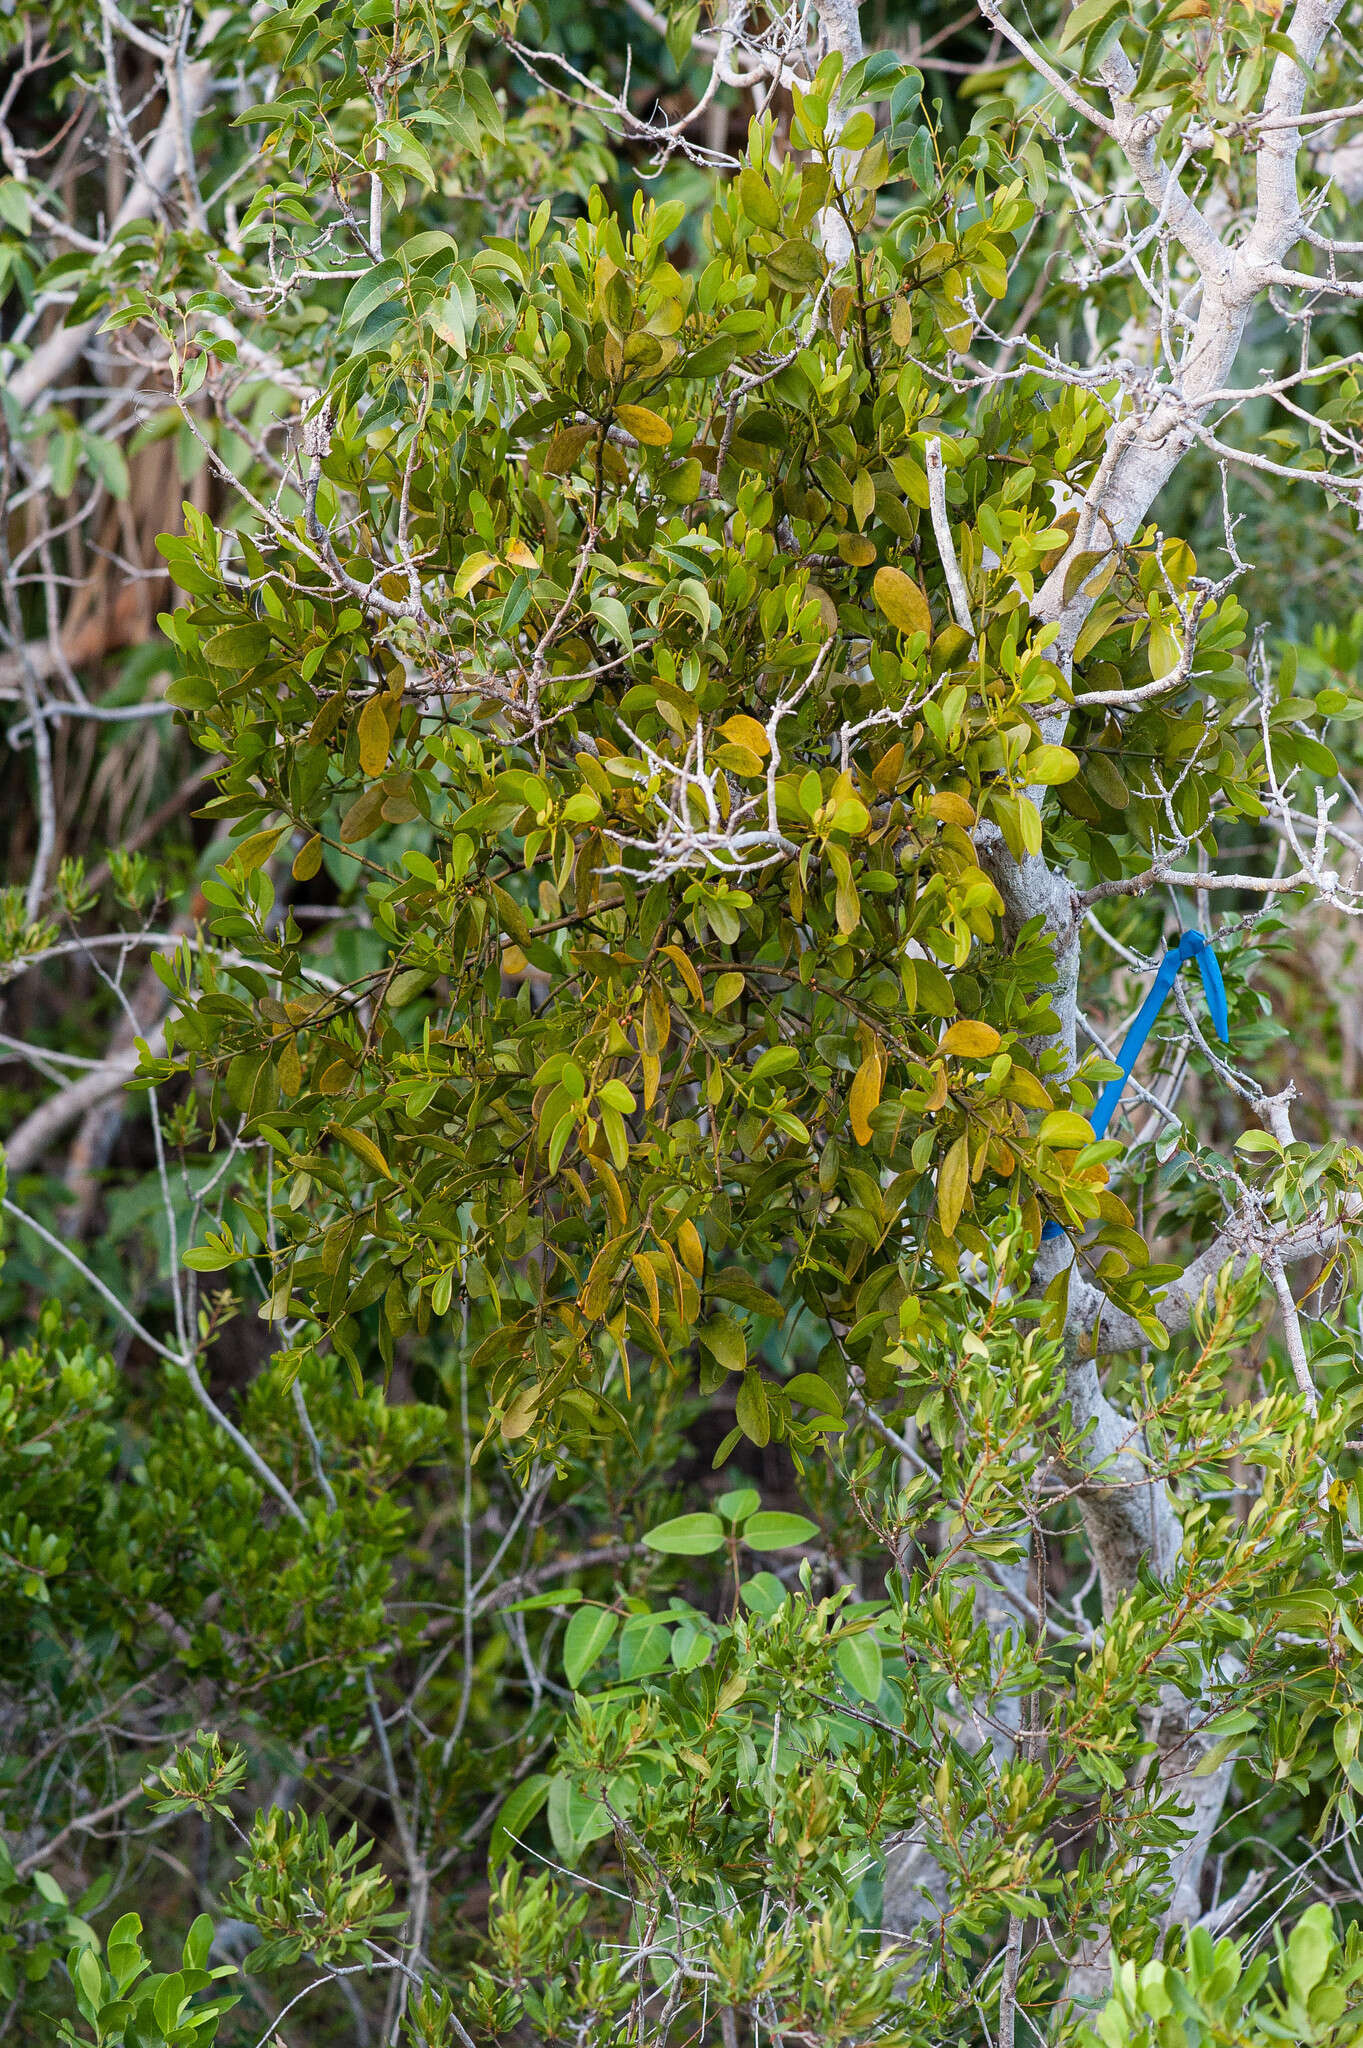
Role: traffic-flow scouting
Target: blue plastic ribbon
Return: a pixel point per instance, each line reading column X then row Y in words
column 1192, row 946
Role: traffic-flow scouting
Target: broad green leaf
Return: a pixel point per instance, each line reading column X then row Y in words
column 586, row 1640
column 770, row 1530
column 369, row 292
column 518, row 1809
column 860, row 1663
column 687, row 1536
column 724, row 1339
column 757, row 199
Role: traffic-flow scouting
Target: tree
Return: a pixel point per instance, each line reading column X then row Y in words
column 719, row 640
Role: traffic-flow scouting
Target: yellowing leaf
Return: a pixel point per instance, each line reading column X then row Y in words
column 289, row 1068
column 648, row 1279
column 968, row 1040
column 253, row 853
column 691, row 1249
column 953, row 1180
column 1050, row 765
column 902, row 602
column 746, row 732
column 521, row 1414
column 647, row 427
column 567, row 444
column 828, row 611
column 728, row 988
column 685, row 970
column 365, row 1150
column 863, row 1097
column 374, row 736
column 1025, row 1088
column 364, row 815
column 1165, row 652
column 950, row 809
column 1065, row 1129
column 473, row 571
column 308, row 858
column 596, row 1293
column 738, row 760
column 518, row 553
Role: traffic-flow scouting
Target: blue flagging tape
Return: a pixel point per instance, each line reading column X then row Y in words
column 1192, row 946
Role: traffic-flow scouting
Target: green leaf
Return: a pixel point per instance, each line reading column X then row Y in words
column 586, row 1640
column 576, row 1819
column 726, row 1342
column 757, row 199
column 777, row 1059
column 687, row 1536
column 763, row 1593
column 1089, row 15
column 645, row 1645
column 518, row 1809
column 753, row 1410
column 795, row 266
column 731, row 1283
column 238, row 647
column 197, row 1944
column 859, row 1661
column 814, row 1392
column 369, row 292
column 1049, row 765
column 15, row 210
column 770, row 1530
column 1309, row 1949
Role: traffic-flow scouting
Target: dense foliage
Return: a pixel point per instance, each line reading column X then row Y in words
column 603, row 1436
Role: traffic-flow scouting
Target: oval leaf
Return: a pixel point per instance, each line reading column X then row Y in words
column 365, row 1149
column 374, row 737
column 646, row 427
column 751, row 1409
column 902, row 602
column 518, row 1810
column 863, row 1097
column 1065, row 1129
column 687, row 1536
column 859, row 1661
column 567, row 444
column 1050, row 765
column 585, row 1640
column 953, row 1177
column 968, row 1040
column 772, row 1531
